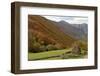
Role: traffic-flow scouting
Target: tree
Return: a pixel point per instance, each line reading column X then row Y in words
column 43, row 48
column 51, row 47
column 58, row 46
column 79, row 46
column 76, row 49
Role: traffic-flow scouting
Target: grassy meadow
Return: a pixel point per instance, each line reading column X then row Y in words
column 55, row 55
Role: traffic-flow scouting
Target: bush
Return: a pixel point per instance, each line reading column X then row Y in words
column 42, row 48
column 51, row 47
column 35, row 47
column 83, row 45
column 58, row 46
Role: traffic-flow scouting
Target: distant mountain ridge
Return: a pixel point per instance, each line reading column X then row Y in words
column 77, row 31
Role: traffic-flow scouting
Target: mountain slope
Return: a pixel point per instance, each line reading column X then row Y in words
column 47, row 31
column 77, row 31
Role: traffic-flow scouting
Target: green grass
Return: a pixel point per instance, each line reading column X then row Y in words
column 54, row 58
column 34, row 56
column 55, row 55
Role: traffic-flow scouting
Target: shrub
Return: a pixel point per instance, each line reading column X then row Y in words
column 42, row 48
column 58, row 46
column 51, row 47
column 83, row 44
column 35, row 47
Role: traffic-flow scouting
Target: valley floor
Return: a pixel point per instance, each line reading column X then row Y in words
column 54, row 55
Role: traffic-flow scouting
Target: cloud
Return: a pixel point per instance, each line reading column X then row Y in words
column 70, row 19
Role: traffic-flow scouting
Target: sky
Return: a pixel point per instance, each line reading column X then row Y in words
column 69, row 19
